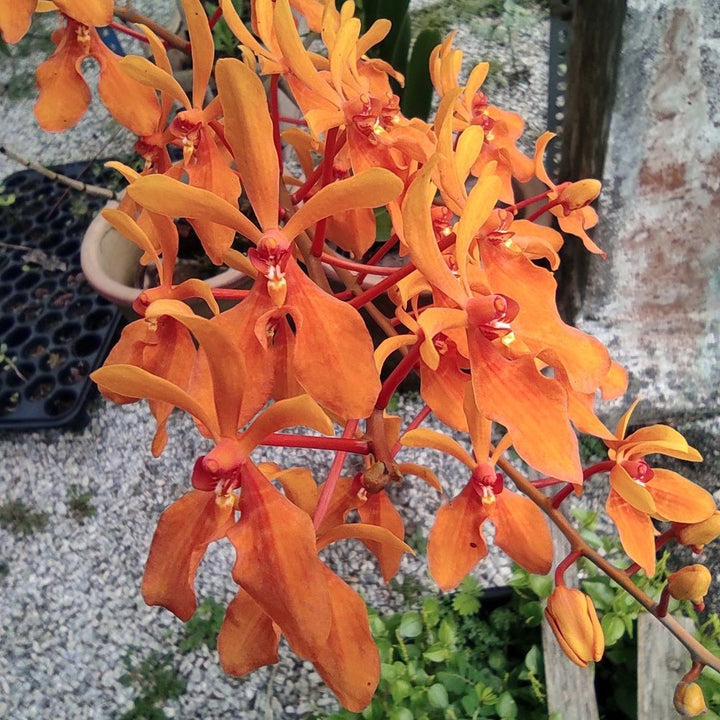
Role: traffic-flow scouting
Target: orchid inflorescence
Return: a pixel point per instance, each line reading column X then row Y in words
column 474, row 314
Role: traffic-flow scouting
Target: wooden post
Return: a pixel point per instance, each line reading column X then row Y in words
column 596, row 36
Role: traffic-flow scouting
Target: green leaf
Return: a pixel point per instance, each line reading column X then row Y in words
column 387, row 672
column 534, row 660
column 377, row 626
column 435, row 653
column 452, row 682
column 446, row 633
column 541, row 585
column 600, row 593
column 401, row 714
column 532, row 611
column 400, row 689
column 465, row 604
column 411, row 625
column 506, row 707
column 613, row 628
column 497, row 660
column 470, row 703
column 437, row 696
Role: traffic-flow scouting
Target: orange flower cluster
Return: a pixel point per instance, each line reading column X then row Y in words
column 473, row 313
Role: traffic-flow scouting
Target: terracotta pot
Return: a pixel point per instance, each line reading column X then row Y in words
column 111, row 265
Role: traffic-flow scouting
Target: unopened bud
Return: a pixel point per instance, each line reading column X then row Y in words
column 699, row 534
column 689, row 700
column 690, row 583
column 579, row 194
column 572, row 618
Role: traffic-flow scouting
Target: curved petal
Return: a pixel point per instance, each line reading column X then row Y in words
column 146, row 73
column 365, row 532
column 637, row 533
column 202, row 48
column 636, row 494
column 15, row 19
column 299, row 486
column 422, row 472
column 94, row 13
column 522, row 532
column 456, row 545
column 378, row 510
column 659, row 439
column 424, row 437
column 277, row 564
column 677, row 499
column 183, row 533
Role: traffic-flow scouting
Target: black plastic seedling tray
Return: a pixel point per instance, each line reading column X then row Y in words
column 54, row 329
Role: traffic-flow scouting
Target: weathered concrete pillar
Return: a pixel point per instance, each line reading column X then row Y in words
column 656, row 299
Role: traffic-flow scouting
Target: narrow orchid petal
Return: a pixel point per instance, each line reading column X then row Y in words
column 624, row 421
column 371, row 188
column 343, row 53
column 422, row 472
column 379, row 510
column 173, row 198
column 349, row 663
column 143, row 71
column 299, row 486
column 249, row 130
column 424, row 437
column 630, row 491
column 420, row 236
column 132, row 381
column 637, row 533
column 183, row 533
column 388, row 346
column 521, row 531
column 277, row 564
column 364, row 531
column 225, row 360
column 238, row 29
column 202, row 48
column 677, row 499
column 443, row 389
column 248, row 638
column 97, row 13
column 127, row 227
column 125, row 170
column 469, row 145
column 540, row 171
column 476, row 79
column 456, row 544
column 659, row 439
column 375, row 34
column 15, row 19
column 479, row 427
column 433, row 321
column 301, row 410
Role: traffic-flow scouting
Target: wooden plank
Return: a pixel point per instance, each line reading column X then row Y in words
column 570, row 688
column 662, row 661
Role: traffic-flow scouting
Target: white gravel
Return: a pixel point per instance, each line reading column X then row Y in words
column 71, row 604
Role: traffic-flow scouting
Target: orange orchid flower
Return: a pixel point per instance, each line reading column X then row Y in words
column 64, row 94
column 639, row 492
column 456, row 542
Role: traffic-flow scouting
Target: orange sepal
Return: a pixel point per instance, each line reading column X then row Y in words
column 378, row 510
column 278, row 565
column 456, row 544
column 183, row 533
column 637, row 533
column 15, row 19
column 88, row 12
column 248, row 638
column 677, row 499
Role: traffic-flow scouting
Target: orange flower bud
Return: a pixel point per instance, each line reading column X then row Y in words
column 690, row 583
column 689, row 700
column 699, row 534
column 573, row 619
column 579, row 194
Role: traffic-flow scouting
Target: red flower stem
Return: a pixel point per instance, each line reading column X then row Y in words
column 560, row 495
column 401, row 371
column 275, row 114
column 308, row 185
column 528, row 201
column 416, row 422
column 129, row 31
column 542, row 210
column 373, row 292
column 662, row 607
column 220, row 132
column 312, row 442
column 694, row 672
column 215, row 17
column 697, row 652
column 388, row 245
column 292, row 121
column 327, row 169
column 546, row 482
column 357, row 267
column 229, row 294
column 563, row 566
column 333, row 476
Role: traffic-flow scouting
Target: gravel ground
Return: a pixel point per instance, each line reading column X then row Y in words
column 71, row 600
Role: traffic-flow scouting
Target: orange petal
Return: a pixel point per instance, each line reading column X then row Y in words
column 248, row 638
column 331, row 334
column 522, row 532
column 422, row 472
column 249, row 130
column 87, row 12
column 349, row 663
column 540, row 171
column 202, row 48
column 299, row 486
column 64, row 94
column 367, row 533
column 637, row 533
column 183, row 533
column 15, row 19
column 630, row 491
column 677, row 499
column 433, row 321
column 238, row 29
column 624, row 421
column 533, row 408
column 424, row 437
column 378, row 510
column 370, row 188
column 278, row 565
column 659, row 439
column 456, row 545
column 344, row 499
column 443, row 389
column 146, row 73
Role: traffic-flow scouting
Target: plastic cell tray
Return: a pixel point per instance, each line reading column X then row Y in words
column 54, row 329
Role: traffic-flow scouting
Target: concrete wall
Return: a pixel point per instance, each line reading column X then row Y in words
column 656, row 300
